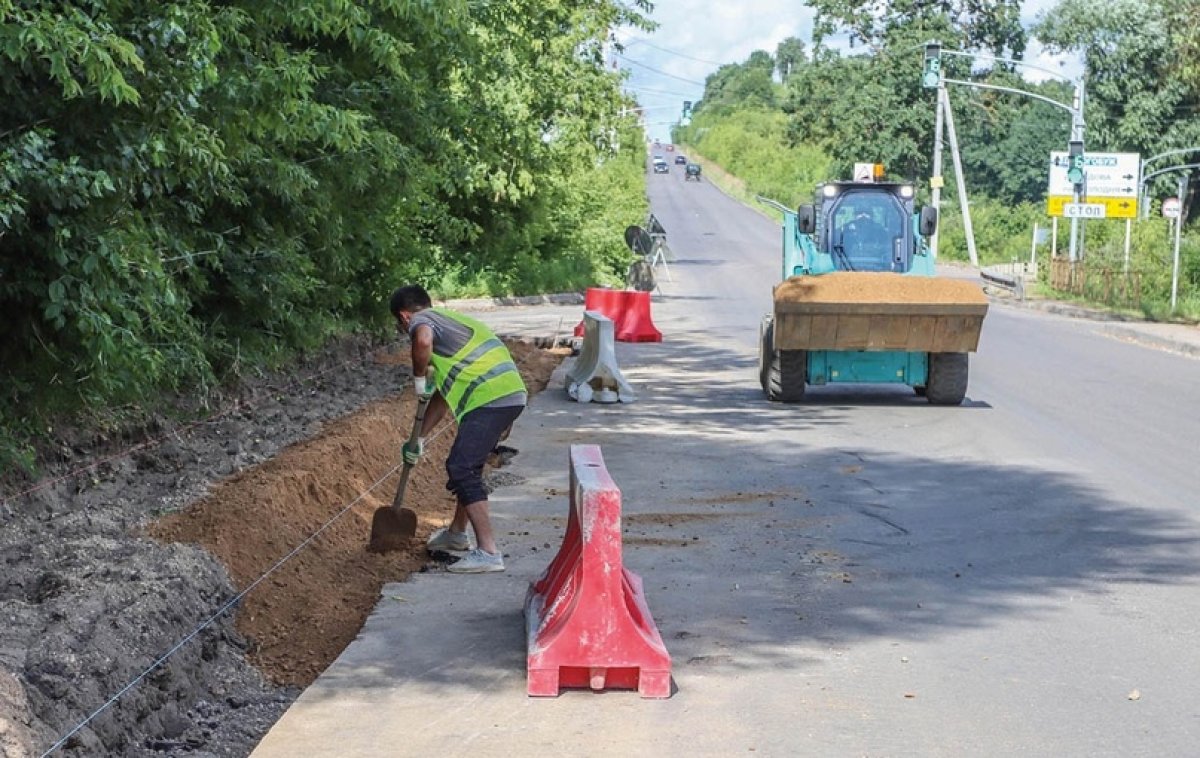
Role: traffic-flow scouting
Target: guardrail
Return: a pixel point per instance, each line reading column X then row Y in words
column 1011, row 282
column 1010, row 276
column 774, row 204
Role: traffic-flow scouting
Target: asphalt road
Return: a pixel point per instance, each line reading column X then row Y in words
column 1054, row 516
column 863, row 574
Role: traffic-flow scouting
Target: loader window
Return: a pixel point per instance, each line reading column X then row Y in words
column 867, row 233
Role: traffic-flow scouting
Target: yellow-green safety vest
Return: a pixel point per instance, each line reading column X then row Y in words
column 482, row 371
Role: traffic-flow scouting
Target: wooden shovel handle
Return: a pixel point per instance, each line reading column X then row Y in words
column 422, row 404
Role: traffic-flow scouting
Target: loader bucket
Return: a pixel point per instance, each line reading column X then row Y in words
column 878, row 311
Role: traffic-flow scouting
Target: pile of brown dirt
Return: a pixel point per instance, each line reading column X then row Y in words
column 877, row 287
column 304, row 614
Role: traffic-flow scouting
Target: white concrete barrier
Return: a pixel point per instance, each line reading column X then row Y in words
column 595, row 375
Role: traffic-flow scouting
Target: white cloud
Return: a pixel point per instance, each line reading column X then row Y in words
column 695, row 36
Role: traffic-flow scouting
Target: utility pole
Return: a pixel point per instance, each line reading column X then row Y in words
column 1075, row 109
column 959, row 178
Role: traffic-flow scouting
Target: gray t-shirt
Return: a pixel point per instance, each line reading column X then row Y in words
column 449, row 336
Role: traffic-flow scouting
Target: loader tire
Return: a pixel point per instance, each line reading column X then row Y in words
column 782, row 372
column 947, row 384
column 765, row 348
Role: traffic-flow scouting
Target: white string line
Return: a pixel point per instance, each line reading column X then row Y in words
column 445, row 425
column 229, row 604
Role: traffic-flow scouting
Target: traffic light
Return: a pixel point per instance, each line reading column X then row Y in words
column 687, row 107
column 1075, row 164
column 932, row 75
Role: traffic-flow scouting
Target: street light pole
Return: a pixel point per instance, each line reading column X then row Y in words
column 1075, row 250
column 936, row 181
column 1143, row 179
column 1183, row 183
column 1075, row 109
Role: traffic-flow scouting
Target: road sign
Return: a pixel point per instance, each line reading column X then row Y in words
column 1171, row 208
column 1114, row 207
column 1106, row 174
column 1084, row 210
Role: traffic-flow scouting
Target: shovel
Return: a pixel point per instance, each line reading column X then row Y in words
column 393, row 526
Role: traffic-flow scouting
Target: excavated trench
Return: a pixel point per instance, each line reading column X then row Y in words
column 109, row 568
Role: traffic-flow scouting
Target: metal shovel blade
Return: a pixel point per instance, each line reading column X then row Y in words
column 393, row 527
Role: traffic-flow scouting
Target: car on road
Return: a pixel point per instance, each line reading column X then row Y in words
column 680, row 160
column 692, row 172
column 661, row 167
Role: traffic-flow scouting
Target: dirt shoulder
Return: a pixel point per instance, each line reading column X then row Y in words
column 110, row 566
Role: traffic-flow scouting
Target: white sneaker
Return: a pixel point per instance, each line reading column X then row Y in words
column 449, row 540
column 477, row 562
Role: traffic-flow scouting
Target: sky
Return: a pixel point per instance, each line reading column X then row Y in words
column 694, row 37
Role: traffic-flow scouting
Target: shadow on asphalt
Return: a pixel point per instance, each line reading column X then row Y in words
column 799, row 545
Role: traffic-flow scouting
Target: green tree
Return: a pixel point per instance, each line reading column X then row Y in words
column 1006, row 139
column 1183, row 19
column 790, row 55
column 1133, row 100
column 190, row 188
column 1138, row 96
column 740, row 84
column 991, row 25
column 862, row 109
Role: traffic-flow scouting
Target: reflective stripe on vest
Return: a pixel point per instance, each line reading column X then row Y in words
column 480, row 372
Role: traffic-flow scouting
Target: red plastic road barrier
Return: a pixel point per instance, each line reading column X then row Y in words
column 629, row 311
column 636, row 324
column 603, row 301
column 586, row 618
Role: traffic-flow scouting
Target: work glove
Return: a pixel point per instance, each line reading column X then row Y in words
column 411, row 452
column 420, row 386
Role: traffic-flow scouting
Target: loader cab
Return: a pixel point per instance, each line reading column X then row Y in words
column 866, row 227
column 861, row 225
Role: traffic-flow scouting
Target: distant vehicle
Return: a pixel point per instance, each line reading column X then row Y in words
column 692, row 172
column 661, row 167
column 670, row 148
column 680, row 160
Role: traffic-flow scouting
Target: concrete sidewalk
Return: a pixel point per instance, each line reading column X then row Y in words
column 440, row 665
column 725, row 526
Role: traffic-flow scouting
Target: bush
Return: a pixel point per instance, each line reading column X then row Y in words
column 752, row 145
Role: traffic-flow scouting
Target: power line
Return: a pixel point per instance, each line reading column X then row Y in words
column 636, row 40
column 659, row 91
column 657, row 71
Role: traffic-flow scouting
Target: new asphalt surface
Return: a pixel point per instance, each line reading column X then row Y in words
column 864, row 574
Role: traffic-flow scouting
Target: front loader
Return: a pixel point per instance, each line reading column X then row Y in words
column 859, row 301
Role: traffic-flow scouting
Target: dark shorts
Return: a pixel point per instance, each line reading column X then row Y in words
column 478, row 434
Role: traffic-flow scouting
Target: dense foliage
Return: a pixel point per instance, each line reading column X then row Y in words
column 193, row 187
column 827, row 110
